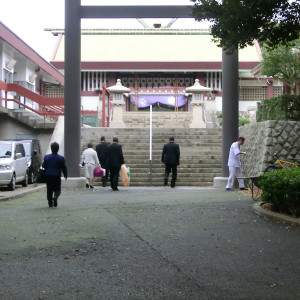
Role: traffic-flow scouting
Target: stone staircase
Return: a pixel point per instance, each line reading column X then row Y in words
column 159, row 119
column 200, row 160
column 31, row 119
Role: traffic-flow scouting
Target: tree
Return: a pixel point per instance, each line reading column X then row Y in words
column 283, row 63
column 239, row 22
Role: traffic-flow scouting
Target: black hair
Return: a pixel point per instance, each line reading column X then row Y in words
column 241, row 138
column 115, row 139
column 54, row 147
column 171, row 139
column 102, row 138
column 90, row 145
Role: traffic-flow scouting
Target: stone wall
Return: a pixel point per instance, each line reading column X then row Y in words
column 263, row 139
column 159, row 119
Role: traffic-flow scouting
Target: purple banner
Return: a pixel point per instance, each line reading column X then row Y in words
column 169, row 100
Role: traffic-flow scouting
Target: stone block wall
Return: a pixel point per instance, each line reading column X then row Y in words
column 159, row 119
column 263, row 139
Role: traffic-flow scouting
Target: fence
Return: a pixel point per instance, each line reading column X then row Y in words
column 50, row 108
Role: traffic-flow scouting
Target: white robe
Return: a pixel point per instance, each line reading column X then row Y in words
column 234, row 164
column 90, row 158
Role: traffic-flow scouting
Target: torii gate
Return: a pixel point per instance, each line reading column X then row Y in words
column 74, row 12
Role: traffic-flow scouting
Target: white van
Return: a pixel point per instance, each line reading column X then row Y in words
column 13, row 164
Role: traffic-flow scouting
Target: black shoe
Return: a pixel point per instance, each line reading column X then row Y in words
column 116, row 190
column 103, row 185
column 243, row 189
column 54, row 201
column 87, row 186
column 91, row 187
column 166, row 182
column 228, row 189
column 50, row 203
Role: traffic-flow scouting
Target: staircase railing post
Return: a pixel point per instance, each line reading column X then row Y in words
column 150, row 145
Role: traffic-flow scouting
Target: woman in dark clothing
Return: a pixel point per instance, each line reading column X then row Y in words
column 54, row 164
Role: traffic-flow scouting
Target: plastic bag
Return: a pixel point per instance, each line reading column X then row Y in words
column 99, row 172
column 124, row 175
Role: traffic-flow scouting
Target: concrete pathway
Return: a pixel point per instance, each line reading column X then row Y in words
column 145, row 243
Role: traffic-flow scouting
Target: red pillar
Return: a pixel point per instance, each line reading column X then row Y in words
column 270, row 89
column 201, row 77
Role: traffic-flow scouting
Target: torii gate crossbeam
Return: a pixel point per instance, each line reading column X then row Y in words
column 74, row 12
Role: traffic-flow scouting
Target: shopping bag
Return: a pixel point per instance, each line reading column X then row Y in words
column 128, row 174
column 124, row 176
column 99, row 172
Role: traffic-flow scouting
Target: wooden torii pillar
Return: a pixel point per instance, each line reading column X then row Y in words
column 74, row 12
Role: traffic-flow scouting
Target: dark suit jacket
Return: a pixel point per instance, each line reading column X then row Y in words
column 54, row 164
column 114, row 156
column 171, row 154
column 101, row 150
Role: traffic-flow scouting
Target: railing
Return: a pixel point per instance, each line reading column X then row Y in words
column 47, row 107
column 50, row 108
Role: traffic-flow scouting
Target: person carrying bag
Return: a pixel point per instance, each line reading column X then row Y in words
column 90, row 161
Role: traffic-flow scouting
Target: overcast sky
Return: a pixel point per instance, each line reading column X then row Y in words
column 29, row 18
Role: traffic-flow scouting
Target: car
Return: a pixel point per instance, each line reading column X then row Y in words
column 13, row 164
column 34, row 157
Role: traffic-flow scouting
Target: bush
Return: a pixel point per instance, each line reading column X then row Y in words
column 219, row 115
column 282, row 189
column 284, row 107
column 243, row 121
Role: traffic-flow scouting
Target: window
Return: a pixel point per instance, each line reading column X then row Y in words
column 252, row 93
column 8, row 76
column 5, row 150
column 53, row 91
column 213, row 80
column 20, row 149
column 27, row 147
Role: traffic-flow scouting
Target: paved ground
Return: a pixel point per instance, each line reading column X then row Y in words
column 145, row 243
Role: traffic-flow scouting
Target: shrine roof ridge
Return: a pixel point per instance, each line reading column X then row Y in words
column 138, row 31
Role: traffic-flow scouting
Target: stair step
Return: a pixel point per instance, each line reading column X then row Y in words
column 200, row 159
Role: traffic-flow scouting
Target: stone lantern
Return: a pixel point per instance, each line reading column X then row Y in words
column 118, row 104
column 197, row 91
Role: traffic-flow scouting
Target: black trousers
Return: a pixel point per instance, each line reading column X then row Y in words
column 53, row 186
column 169, row 168
column 114, row 177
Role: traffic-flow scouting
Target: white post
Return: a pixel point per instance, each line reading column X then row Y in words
column 150, row 145
column 150, row 156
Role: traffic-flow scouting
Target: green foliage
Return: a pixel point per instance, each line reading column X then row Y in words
column 284, row 107
column 243, row 121
column 283, row 63
column 282, row 189
column 239, row 22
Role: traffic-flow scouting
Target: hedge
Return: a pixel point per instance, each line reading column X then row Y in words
column 282, row 189
column 284, row 107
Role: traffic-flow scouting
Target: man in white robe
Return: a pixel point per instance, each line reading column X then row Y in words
column 234, row 164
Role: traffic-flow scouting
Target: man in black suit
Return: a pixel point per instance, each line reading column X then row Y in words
column 115, row 160
column 170, row 158
column 101, row 150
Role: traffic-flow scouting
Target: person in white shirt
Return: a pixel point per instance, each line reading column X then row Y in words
column 234, row 164
column 90, row 161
